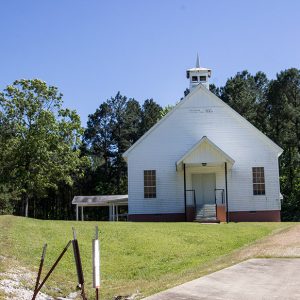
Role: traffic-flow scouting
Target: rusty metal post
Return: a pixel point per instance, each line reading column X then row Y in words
column 51, row 270
column 40, row 268
column 78, row 264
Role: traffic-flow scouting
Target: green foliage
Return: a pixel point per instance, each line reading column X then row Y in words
column 186, row 92
column 111, row 130
column 8, row 199
column 40, row 140
column 144, row 256
column 274, row 108
column 284, row 119
column 150, row 115
column 245, row 93
column 216, row 90
column 166, row 110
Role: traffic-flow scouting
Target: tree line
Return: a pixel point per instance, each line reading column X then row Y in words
column 46, row 156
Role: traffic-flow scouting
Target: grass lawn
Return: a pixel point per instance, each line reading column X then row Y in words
column 134, row 256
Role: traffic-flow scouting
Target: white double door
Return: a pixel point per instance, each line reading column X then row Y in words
column 204, row 186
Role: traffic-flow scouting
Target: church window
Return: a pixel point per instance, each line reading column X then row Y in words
column 149, row 184
column 258, row 176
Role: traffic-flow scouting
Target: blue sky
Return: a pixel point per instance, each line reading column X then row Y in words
column 92, row 49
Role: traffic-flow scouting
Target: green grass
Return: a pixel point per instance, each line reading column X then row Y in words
column 134, row 256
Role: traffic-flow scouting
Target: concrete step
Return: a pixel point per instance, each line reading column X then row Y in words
column 207, row 220
column 206, row 209
column 206, row 213
column 212, row 214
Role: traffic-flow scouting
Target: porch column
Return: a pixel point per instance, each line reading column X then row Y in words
column 226, row 194
column 113, row 212
column 110, row 213
column 77, row 213
column 184, row 183
column 117, row 212
column 82, row 217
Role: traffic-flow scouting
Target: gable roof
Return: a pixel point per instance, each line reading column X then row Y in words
column 231, row 110
column 197, row 146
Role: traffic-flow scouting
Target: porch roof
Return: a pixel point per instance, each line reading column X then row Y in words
column 100, row 200
column 205, row 152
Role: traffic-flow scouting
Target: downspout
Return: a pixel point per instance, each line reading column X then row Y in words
column 226, row 193
column 184, row 180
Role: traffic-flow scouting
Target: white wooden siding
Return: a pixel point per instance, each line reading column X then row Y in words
column 201, row 115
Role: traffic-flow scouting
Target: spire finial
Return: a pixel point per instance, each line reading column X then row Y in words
column 197, row 62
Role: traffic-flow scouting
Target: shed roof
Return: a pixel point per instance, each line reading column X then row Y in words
column 100, row 200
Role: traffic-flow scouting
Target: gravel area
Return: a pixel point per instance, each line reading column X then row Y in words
column 17, row 282
column 14, row 284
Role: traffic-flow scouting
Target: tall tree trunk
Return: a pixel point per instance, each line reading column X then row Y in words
column 26, row 206
column 34, row 207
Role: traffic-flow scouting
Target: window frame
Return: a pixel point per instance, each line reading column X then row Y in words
column 150, row 184
column 202, row 76
column 258, row 181
column 196, row 79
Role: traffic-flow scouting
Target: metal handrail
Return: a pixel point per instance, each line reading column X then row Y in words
column 222, row 196
column 194, row 192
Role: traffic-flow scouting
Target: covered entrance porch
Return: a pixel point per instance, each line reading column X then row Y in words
column 205, row 169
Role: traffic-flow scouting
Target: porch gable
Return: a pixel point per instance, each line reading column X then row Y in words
column 204, row 153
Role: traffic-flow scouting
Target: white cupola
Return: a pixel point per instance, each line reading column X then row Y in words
column 198, row 75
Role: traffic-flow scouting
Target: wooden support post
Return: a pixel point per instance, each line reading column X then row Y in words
column 77, row 213
column 184, row 183
column 226, row 194
column 117, row 212
column 82, row 217
column 110, row 213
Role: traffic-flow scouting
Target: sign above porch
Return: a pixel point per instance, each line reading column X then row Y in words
column 204, row 153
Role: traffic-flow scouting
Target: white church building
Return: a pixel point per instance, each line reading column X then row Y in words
column 203, row 161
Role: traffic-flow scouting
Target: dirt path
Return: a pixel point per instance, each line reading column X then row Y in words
column 285, row 243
